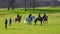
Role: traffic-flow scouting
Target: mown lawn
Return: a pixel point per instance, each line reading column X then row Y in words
column 53, row 26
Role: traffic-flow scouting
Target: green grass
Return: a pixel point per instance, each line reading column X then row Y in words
column 53, row 26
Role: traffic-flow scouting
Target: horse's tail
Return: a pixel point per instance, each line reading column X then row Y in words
column 15, row 20
column 35, row 20
column 24, row 21
column 20, row 18
column 47, row 17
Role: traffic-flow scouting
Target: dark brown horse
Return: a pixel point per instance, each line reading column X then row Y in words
column 18, row 19
column 45, row 19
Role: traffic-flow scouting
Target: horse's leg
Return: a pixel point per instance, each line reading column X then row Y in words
column 35, row 21
column 15, row 21
column 29, row 22
column 10, row 23
column 47, row 21
column 41, row 23
column 18, row 21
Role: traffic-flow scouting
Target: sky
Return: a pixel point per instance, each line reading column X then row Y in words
column 58, row 0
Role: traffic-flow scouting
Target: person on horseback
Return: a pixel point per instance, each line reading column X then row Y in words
column 18, row 18
column 45, row 16
column 30, row 16
column 29, row 19
column 18, row 15
column 39, row 16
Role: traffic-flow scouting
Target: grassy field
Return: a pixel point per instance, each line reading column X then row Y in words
column 53, row 26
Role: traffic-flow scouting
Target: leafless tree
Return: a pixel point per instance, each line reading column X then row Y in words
column 11, row 4
column 34, row 4
column 53, row 3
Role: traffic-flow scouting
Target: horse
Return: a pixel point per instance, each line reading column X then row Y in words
column 41, row 19
column 18, row 19
column 29, row 20
column 45, row 19
column 38, row 19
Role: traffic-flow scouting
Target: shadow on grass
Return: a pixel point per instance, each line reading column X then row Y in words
column 15, row 29
column 47, row 25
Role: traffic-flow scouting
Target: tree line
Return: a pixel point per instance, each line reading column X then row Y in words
column 30, row 3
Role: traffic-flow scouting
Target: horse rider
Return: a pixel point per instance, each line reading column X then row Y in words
column 45, row 16
column 30, row 16
column 17, row 15
column 39, row 15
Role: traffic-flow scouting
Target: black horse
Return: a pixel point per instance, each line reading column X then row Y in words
column 11, row 4
column 38, row 19
column 18, row 19
column 41, row 19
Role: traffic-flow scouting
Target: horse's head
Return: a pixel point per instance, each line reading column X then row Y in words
column 45, row 18
column 19, row 17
